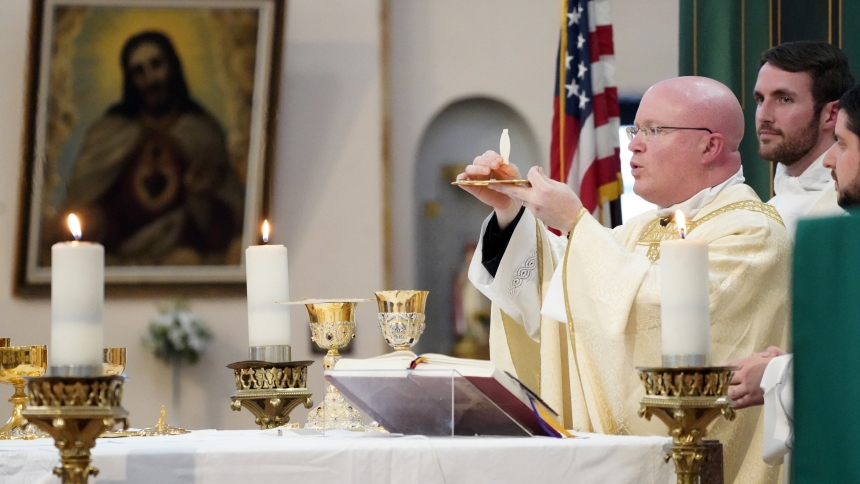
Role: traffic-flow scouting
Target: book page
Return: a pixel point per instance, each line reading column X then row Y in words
column 398, row 360
column 464, row 366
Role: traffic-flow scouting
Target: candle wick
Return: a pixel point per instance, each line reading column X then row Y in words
column 683, row 234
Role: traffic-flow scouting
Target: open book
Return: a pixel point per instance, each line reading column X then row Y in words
column 435, row 394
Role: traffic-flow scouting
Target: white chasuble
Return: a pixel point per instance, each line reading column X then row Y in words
column 609, row 324
column 812, row 194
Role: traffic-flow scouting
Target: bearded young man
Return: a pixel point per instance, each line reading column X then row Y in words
column 766, row 377
column 797, row 88
column 573, row 316
column 843, row 158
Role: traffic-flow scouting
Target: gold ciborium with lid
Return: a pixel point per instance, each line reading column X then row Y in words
column 332, row 323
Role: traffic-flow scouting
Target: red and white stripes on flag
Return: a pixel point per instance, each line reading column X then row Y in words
column 584, row 152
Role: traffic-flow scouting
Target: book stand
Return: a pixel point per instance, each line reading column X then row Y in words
column 425, row 402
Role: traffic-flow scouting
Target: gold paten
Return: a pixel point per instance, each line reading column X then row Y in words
column 687, row 400
column 161, row 428
column 483, row 183
column 114, row 361
column 17, row 362
column 401, row 317
column 332, row 325
column 75, row 411
column 270, row 391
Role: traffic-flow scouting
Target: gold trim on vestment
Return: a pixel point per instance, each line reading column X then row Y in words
column 655, row 232
column 582, row 211
column 570, row 329
column 524, row 351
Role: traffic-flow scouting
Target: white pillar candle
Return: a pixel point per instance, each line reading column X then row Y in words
column 685, row 300
column 266, row 271
column 77, row 303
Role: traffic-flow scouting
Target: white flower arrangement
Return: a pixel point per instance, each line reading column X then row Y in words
column 177, row 334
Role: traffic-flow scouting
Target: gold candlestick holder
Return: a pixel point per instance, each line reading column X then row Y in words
column 401, row 317
column 270, row 391
column 687, row 400
column 17, row 362
column 75, row 411
column 332, row 323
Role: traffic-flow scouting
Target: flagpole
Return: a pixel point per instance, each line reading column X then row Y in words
column 562, row 94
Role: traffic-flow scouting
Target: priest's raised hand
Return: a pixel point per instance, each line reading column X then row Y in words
column 490, row 166
column 551, row 201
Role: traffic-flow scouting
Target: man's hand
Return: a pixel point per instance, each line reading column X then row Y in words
column 487, row 166
column 745, row 387
column 550, row 201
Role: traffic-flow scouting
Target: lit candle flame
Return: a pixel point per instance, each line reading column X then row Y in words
column 265, row 231
column 681, row 223
column 75, row 226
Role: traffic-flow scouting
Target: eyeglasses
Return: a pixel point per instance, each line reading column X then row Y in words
column 653, row 131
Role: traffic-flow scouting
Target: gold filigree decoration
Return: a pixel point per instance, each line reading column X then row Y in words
column 62, row 392
column 686, row 382
column 655, row 232
column 270, row 377
column 332, row 334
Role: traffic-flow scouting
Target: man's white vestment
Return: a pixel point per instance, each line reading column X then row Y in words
column 812, row 194
column 573, row 317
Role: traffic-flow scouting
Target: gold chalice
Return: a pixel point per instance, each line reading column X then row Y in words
column 114, row 361
column 16, row 362
column 332, row 324
column 401, row 317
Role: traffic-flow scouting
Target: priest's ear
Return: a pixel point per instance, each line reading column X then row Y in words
column 713, row 147
column 827, row 119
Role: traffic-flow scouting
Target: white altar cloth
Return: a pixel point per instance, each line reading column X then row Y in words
column 231, row 457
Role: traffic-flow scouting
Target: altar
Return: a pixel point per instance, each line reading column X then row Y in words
column 343, row 457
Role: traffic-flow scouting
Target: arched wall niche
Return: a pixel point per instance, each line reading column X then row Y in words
column 447, row 218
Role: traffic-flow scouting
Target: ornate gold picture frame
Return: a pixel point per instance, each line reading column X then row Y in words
column 150, row 120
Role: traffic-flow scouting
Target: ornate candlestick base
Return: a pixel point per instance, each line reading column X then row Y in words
column 17, row 362
column 687, row 400
column 270, row 391
column 75, row 411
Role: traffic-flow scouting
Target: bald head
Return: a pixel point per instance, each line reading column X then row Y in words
column 704, row 102
column 678, row 163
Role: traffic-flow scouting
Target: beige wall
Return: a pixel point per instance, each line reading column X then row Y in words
column 326, row 209
column 446, row 50
column 327, row 206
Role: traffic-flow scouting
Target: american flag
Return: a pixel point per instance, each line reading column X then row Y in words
column 584, row 151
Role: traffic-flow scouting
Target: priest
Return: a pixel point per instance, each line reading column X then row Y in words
column 575, row 314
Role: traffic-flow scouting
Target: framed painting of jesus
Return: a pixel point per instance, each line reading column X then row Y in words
column 150, row 121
